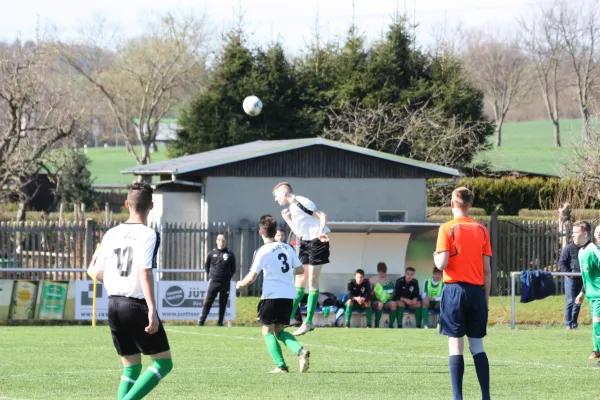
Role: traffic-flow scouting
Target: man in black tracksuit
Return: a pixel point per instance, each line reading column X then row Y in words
column 569, row 262
column 220, row 267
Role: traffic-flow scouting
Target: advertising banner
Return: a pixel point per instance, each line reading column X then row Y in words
column 6, row 288
column 52, row 298
column 23, row 300
column 84, row 294
column 184, row 300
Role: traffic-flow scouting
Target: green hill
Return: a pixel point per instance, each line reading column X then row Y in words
column 529, row 146
column 107, row 163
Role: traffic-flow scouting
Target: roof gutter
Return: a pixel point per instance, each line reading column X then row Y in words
column 184, row 182
column 446, row 183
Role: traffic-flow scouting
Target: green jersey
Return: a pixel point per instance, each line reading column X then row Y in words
column 433, row 290
column 589, row 262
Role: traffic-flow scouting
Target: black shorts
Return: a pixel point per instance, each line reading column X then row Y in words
column 127, row 318
column 314, row 252
column 275, row 311
column 463, row 310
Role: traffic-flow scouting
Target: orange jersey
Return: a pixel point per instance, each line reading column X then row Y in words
column 467, row 241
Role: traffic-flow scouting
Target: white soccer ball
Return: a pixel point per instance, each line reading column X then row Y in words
column 252, row 106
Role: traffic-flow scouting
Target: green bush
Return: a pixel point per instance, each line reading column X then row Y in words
column 507, row 196
column 553, row 214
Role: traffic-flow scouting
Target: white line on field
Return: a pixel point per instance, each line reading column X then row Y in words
column 354, row 350
column 10, row 398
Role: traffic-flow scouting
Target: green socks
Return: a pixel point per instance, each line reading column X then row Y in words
column 297, row 300
column 419, row 316
column 150, row 378
column 425, row 316
column 348, row 313
column 377, row 317
column 290, row 342
column 130, row 375
column 400, row 315
column 596, row 335
column 311, row 305
column 274, row 350
column 369, row 312
column 393, row 319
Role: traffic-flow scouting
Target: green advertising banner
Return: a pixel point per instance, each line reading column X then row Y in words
column 51, row 300
column 23, row 300
column 6, row 289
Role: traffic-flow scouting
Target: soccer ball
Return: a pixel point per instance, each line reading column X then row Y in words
column 252, row 106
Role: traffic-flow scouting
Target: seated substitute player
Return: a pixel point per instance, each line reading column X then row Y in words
column 406, row 294
column 383, row 294
column 589, row 262
column 359, row 290
column 279, row 263
column 124, row 263
column 310, row 226
column 432, row 295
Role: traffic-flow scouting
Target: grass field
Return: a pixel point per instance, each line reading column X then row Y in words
column 106, row 164
column 529, row 146
column 532, row 362
column 220, row 363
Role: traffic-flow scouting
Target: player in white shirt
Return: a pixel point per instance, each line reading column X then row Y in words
column 309, row 224
column 279, row 263
column 124, row 263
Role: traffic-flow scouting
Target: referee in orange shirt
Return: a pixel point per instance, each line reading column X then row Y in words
column 463, row 253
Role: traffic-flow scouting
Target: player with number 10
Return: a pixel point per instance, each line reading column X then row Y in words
column 124, row 263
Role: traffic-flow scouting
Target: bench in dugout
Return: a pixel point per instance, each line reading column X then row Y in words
column 359, row 320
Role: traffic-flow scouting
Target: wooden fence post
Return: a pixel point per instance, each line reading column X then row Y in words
column 494, row 231
column 89, row 241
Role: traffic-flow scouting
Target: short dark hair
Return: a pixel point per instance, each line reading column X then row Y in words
column 586, row 226
column 462, row 196
column 409, row 269
column 280, row 229
column 360, row 271
column 268, row 226
column 140, row 197
column 436, row 269
column 381, row 267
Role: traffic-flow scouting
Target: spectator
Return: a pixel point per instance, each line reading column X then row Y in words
column 220, row 268
column 382, row 290
column 280, row 235
column 359, row 290
column 432, row 295
column 568, row 262
column 406, row 294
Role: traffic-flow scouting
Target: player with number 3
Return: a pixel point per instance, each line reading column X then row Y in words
column 279, row 263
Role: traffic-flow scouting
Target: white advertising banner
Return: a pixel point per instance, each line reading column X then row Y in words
column 185, row 299
column 175, row 300
column 84, row 294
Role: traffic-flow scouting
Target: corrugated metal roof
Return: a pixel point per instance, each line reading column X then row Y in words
column 260, row 148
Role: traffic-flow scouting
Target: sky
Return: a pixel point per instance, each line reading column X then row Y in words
column 291, row 21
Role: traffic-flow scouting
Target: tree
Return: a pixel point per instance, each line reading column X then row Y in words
column 141, row 77
column 499, row 67
column 579, row 25
column 424, row 133
column 543, row 41
column 38, row 110
column 74, row 180
column 215, row 119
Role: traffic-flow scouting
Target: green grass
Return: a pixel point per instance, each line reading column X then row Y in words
column 532, row 362
column 106, row 164
column 529, row 146
column 79, row 362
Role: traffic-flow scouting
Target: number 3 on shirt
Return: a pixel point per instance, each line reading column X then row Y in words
column 286, row 266
column 124, row 257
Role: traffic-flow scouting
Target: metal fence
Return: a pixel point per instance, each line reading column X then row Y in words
column 517, row 245
column 72, row 244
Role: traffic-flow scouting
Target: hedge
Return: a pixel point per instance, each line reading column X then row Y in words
column 507, row 196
